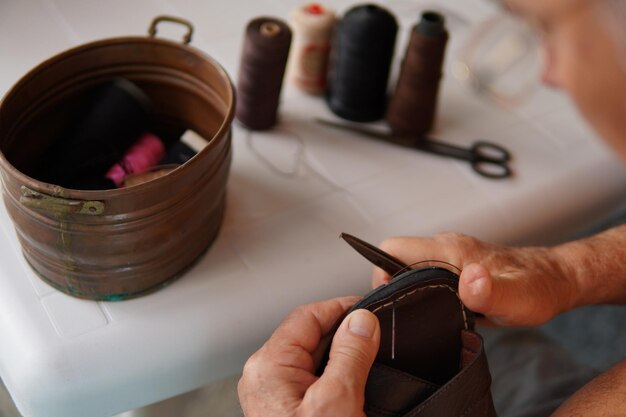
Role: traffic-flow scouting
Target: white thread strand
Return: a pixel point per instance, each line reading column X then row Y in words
column 393, row 332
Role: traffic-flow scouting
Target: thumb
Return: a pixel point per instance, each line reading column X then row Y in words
column 510, row 301
column 352, row 353
column 476, row 290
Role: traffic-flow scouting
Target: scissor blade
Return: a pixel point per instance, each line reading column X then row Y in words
column 378, row 257
column 352, row 128
column 445, row 149
column 369, row 132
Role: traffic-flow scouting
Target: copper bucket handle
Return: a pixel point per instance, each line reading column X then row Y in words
column 40, row 201
column 152, row 31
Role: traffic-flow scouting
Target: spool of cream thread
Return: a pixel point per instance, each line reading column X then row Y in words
column 312, row 26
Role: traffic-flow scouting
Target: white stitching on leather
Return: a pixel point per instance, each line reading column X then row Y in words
column 390, row 303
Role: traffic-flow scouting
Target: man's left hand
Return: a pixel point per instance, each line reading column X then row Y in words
column 279, row 379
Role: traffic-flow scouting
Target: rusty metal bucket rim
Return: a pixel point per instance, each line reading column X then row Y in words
column 63, row 192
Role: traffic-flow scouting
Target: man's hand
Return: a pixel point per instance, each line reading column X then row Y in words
column 279, row 380
column 511, row 286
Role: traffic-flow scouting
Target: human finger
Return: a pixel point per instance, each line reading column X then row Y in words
column 276, row 376
column 518, row 299
column 446, row 247
column 353, row 350
column 296, row 339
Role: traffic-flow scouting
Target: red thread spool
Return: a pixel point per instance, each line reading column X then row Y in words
column 315, row 8
column 143, row 155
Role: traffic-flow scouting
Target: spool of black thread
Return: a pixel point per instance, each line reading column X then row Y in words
column 115, row 115
column 263, row 60
column 412, row 108
column 361, row 57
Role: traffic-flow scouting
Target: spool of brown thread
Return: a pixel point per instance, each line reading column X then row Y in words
column 263, row 60
column 411, row 111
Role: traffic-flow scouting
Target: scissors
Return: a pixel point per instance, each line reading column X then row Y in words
column 486, row 158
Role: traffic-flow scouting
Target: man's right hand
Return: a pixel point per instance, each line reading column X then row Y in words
column 510, row 286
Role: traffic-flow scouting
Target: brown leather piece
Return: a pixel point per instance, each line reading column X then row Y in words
column 385, row 399
column 468, row 394
column 393, row 393
column 430, row 362
column 423, row 337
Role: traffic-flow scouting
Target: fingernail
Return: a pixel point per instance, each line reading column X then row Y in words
column 478, row 285
column 362, row 323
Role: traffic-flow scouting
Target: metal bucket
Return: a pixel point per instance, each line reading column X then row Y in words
column 119, row 243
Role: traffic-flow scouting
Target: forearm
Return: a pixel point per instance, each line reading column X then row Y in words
column 598, row 267
column 604, row 396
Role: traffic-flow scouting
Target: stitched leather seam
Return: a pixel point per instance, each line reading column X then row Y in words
column 417, row 290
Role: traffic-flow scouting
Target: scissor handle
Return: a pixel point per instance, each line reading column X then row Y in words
column 491, row 160
column 491, row 169
column 490, row 151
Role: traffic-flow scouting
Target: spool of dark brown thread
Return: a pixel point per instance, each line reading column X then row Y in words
column 411, row 111
column 263, row 60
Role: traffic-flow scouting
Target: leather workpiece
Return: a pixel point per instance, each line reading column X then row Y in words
column 430, row 361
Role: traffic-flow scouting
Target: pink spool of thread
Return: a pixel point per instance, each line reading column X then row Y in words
column 143, row 155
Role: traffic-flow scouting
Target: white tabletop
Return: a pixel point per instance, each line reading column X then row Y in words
column 291, row 192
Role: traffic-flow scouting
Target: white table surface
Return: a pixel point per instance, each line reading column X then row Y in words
column 291, row 192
